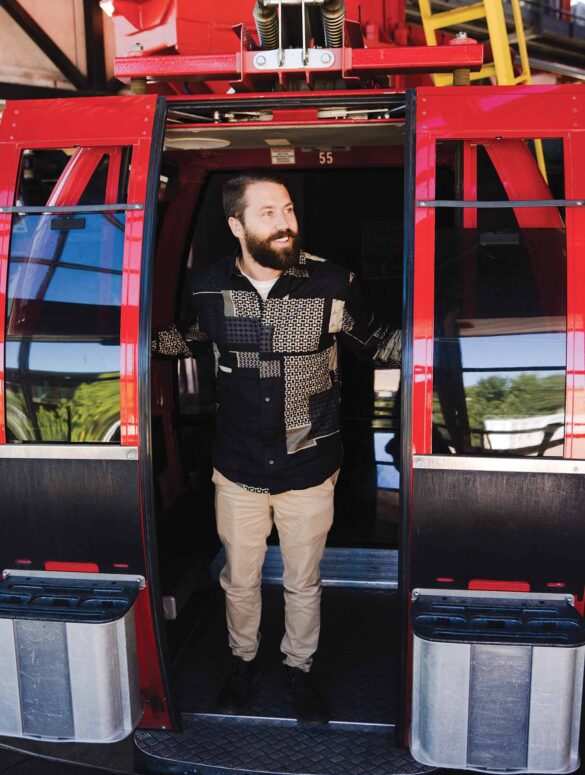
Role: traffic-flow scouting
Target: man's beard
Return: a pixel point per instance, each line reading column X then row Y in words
column 264, row 254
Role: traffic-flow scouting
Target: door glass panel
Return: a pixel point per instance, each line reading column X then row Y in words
column 500, row 333
column 40, row 170
column 500, row 303
column 63, row 328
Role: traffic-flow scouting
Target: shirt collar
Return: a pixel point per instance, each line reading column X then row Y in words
column 298, row 270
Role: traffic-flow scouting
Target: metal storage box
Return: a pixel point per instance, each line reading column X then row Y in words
column 497, row 681
column 68, row 666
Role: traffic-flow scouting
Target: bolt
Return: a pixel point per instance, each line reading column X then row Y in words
column 260, row 60
column 137, row 47
column 326, row 57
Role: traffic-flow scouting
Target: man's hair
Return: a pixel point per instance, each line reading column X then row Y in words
column 234, row 191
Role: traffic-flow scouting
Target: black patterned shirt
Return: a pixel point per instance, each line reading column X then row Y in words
column 278, row 382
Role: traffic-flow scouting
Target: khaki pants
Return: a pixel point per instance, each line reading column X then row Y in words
column 244, row 522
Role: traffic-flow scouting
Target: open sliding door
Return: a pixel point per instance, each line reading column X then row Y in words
column 80, row 619
column 496, row 456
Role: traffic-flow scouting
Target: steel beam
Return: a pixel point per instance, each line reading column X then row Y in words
column 36, row 33
column 404, row 59
column 93, row 23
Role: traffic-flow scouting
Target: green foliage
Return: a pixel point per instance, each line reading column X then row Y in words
column 87, row 413
column 527, row 395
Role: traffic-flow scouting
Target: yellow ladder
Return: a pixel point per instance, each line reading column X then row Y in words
column 502, row 67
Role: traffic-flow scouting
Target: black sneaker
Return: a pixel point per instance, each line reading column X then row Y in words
column 310, row 707
column 235, row 694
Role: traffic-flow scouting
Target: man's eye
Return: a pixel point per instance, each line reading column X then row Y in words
column 267, row 212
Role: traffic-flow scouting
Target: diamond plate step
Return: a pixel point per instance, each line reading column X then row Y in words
column 211, row 745
column 340, row 567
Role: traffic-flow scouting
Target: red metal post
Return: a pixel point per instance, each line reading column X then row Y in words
column 574, row 155
column 9, row 165
column 75, row 177
column 469, row 182
column 423, row 308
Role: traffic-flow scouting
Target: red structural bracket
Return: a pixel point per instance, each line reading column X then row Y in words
column 413, row 59
column 351, row 61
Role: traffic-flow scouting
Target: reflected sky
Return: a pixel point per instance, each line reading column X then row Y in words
column 514, row 351
column 387, row 475
column 98, row 244
column 67, row 357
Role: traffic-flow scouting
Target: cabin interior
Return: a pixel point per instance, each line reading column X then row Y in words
column 347, row 187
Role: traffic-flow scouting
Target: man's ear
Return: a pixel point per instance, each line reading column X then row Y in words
column 236, row 227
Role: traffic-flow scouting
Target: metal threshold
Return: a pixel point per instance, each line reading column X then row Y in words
column 210, row 745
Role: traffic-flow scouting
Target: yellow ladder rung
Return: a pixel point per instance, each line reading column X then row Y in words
column 455, row 16
column 487, row 71
column 502, row 67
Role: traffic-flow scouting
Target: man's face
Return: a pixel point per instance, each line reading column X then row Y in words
column 269, row 226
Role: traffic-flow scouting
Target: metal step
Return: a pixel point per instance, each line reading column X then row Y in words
column 340, row 567
column 211, row 745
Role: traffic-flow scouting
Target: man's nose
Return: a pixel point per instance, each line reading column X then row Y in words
column 286, row 221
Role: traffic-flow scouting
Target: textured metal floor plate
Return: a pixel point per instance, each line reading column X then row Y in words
column 340, row 567
column 213, row 744
column 355, row 665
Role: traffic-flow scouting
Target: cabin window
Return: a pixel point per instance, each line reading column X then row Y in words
column 63, row 328
column 500, row 331
column 64, row 298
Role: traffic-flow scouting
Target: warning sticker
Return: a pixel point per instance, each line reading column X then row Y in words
column 282, row 155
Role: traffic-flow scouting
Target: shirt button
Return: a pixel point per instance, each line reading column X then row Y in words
column 271, row 462
column 267, row 400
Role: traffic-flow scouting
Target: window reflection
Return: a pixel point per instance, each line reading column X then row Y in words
column 63, row 328
column 500, row 343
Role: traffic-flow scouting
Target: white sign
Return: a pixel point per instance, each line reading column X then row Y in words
column 282, row 155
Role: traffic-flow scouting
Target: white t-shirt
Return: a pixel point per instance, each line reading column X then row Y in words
column 262, row 286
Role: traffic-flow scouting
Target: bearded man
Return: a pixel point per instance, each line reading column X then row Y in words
column 275, row 314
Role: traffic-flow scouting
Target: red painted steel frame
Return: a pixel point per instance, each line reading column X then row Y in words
column 486, row 113
column 94, row 126
column 351, row 62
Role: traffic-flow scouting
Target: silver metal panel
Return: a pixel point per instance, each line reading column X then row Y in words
column 555, row 709
column 96, row 578
column 440, row 703
column 104, row 679
column 95, row 681
column 292, row 59
column 10, row 718
column 74, row 681
column 499, row 706
column 526, row 465
column 128, row 661
column 68, row 452
column 43, row 676
column 496, row 707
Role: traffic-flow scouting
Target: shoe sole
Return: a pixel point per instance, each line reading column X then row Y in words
column 307, row 722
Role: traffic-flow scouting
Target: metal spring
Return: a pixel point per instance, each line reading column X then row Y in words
column 333, row 16
column 266, row 20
